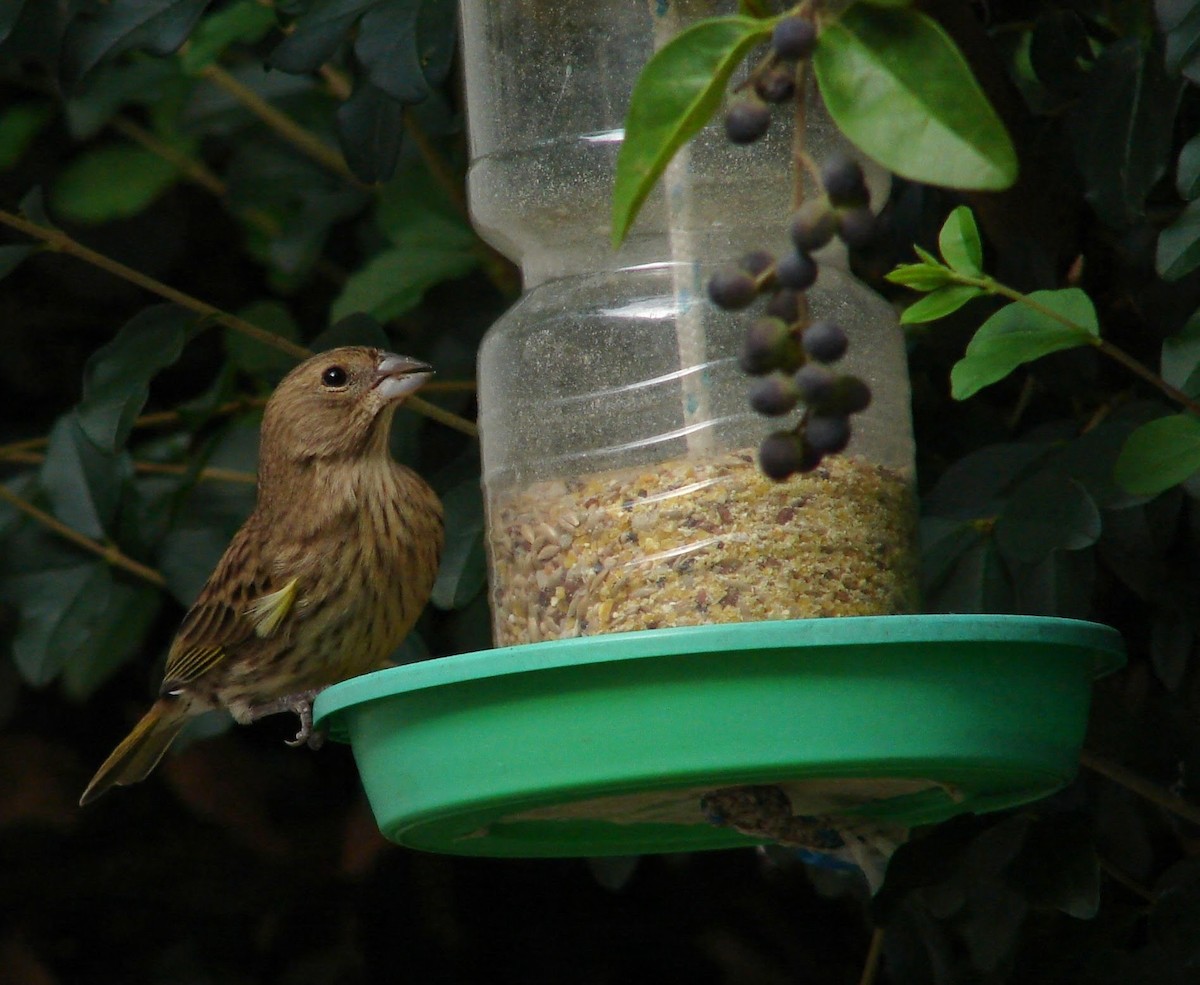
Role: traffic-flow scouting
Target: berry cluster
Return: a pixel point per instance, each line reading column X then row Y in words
column 747, row 119
column 788, row 351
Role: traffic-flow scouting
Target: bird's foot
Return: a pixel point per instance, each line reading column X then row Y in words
column 300, row 704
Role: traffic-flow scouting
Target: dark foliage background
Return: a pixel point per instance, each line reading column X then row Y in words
column 321, row 200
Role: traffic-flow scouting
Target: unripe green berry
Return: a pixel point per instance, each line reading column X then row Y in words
column 767, row 345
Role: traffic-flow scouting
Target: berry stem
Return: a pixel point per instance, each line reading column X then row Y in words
column 109, row 552
column 801, row 161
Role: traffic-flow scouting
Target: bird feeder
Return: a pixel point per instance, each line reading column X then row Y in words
column 668, row 621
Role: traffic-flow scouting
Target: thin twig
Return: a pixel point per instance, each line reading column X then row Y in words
column 874, row 955
column 210, row 474
column 307, row 143
column 1141, row 786
column 56, row 239
column 193, row 170
column 109, row 552
column 993, row 286
column 1122, row 879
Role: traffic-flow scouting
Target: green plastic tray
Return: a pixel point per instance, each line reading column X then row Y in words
column 604, row 744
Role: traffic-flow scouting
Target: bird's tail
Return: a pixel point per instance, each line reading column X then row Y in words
column 141, row 749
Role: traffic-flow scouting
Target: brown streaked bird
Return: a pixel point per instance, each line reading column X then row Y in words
column 326, row 576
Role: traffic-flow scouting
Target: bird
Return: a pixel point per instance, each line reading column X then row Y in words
column 326, row 576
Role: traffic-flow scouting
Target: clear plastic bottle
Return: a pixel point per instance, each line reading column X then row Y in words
column 619, row 465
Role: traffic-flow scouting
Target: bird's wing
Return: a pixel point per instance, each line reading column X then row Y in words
column 231, row 609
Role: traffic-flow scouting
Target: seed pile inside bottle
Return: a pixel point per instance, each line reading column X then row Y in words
column 700, row 540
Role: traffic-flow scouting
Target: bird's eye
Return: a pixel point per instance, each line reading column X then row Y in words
column 334, row 376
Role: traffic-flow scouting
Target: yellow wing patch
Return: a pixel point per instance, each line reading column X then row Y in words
column 268, row 612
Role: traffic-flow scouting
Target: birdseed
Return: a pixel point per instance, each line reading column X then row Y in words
column 700, row 540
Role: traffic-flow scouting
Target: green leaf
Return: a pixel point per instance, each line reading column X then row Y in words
column 406, row 46
column 371, row 131
column 976, row 485
column 18, row 126
column 1123, row 126
column 1060, row 584
column 116, row 379
column 13, row 256
column 898, row 87
column 106, row 30
column 10, row 13
column 112, row 182
column 463, row 571
column 1179, row 21
column 262, row 361
column 1187, row 171
column 142, row 82
column 1047, row 512
column 59, row 610
column 921, row 276
column 1018, row 334
column 318, row 35
column 1160, row 454
column 1180, row 361
column 115, row 639
column 245, row 21
column 942, row 302
column 1178, row 251
column 976, row 582
column 355, row 329
column 82, row 482
column 677, row 92
column 960, row 244
column 396, row 280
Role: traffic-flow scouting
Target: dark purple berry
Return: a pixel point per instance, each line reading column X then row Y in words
column 777, row 84
column 842, row 179
column 827, row 434
column 856, row 227
column 731, row 289
column 797, row 271
column 850, row 395
column 780, row 454
column 813, row 384
column 784, row 304
column 794, row 38
column 767, row 345
column 756, row 263
column 746, row 121
column 773, row 395
column 825, row 342
column 813, row 225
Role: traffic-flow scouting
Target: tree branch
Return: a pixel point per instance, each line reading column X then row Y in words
column 109, row 552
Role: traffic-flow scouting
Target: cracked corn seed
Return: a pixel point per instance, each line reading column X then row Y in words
column 700, row 540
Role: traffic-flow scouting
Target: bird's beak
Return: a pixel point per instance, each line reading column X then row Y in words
column 398, row 376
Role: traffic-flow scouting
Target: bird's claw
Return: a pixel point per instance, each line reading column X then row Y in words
column 299, row 704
